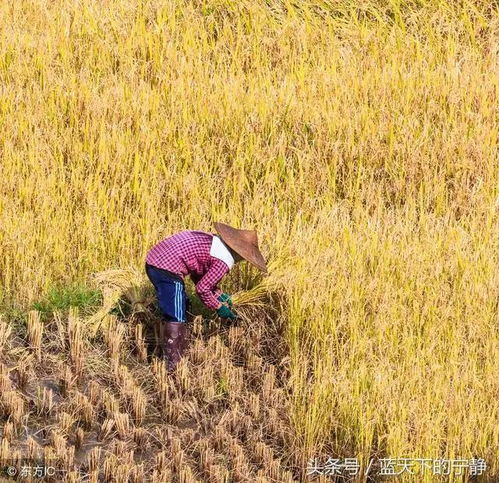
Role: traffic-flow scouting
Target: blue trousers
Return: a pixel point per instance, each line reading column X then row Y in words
column 170, row 290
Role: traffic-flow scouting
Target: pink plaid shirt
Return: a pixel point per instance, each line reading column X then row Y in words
column 188, row 253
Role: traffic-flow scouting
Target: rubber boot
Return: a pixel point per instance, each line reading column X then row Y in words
column 174, row 343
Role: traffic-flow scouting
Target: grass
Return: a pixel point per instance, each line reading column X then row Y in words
column 359, row 138
column 62, row 297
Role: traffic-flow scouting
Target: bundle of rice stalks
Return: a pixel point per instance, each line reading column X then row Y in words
column 120, row 284
column 247, row 302
column 254, row 297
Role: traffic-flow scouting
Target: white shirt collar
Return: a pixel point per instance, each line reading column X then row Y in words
column 219, row 250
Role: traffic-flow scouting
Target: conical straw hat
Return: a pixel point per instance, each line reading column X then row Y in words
column 243, row 242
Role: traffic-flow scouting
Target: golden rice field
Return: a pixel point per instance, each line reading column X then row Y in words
column 358, row 137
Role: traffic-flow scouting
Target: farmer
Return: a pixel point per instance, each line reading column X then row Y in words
column 207, row 258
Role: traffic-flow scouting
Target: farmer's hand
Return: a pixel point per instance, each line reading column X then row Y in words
column 226, row 313
column 225, row 298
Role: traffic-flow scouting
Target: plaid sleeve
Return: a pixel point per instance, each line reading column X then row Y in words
column 206, row 287
column 216, row 291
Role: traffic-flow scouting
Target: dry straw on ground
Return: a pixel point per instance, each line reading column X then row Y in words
column 111, row 416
